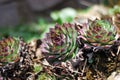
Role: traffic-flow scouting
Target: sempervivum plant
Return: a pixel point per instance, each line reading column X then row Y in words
column 98, row 32
column 8, row 50
column 60, row 43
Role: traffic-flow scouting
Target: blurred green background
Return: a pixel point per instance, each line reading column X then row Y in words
column 35, row 19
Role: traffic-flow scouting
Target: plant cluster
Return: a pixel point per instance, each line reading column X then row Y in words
column 86, row 51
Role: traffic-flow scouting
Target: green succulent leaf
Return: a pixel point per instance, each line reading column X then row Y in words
column 37, row 68
column 45, row 76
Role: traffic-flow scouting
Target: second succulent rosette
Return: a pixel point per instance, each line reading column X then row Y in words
column 98, row 32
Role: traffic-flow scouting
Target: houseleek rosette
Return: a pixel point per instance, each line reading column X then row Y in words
column 60, row 43
column 98, row 32
column 8, row 50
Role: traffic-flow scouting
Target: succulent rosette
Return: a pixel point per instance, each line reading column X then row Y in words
column 98, row 32
column 60, row 43
column 8, row 50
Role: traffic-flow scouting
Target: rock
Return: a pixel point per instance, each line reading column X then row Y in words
column 4, row 1
column 87, row 3
column 9, row 15
column 114, row 76
column 39, row 5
